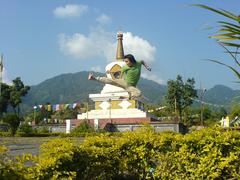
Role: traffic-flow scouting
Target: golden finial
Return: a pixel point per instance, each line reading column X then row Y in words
column 120, row 52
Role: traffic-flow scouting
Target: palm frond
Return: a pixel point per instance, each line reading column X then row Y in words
column 232, row 54
column 231, row 44
column 234, row 29
column 235, row 17
column 228, row 36
column 230, row 67
column 222, row 12
column 230, row 24
column 225, row 37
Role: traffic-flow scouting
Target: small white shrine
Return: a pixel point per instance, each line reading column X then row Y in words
column 108, row 105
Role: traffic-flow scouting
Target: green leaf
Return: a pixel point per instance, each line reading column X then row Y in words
column 225, row 37
column 230, row 67
column 231, row 53
column 230, row 24
column 231, row 44
column 222, row 12
column 231, row 29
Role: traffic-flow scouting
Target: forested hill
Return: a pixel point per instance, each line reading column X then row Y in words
column 74, row 87
column 222, row 95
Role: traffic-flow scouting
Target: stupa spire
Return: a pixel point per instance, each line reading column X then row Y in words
column 120, row 52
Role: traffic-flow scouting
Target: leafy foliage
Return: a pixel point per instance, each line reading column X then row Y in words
column 18, row 90
column 12, row 95
column 4, row 98
column 228, row 36
column 65, row 114
column 235, row 110
column 228, row 31
column 13, row 121
column 180, row 94
column 82, row 128
column 143, row 154
column 25, row 128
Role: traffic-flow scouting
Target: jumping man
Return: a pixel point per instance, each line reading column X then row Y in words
column 129, row 77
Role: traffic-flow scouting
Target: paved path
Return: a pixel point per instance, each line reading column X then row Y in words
column 23, row 145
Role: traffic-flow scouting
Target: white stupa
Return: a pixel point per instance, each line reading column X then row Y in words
column 109, row 108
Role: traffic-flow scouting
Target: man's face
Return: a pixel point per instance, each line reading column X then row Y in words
column 128, row 62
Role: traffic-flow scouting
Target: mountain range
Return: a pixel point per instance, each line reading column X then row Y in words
column 74, row 87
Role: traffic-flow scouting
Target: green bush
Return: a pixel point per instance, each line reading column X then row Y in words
column 56, row 160
column 204, row 154
column 143, row 154
column 83, row 128
column 21, row 134
column 13, row 121
column 14, row 167
column 208, row 153
column 5, row 134
column 4, row 127
column 42, row 129
column 25, row 129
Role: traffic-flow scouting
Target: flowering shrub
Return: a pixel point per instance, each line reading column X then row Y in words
column 143, row 154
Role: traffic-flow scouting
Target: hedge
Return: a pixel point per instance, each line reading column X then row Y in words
column 143, row 154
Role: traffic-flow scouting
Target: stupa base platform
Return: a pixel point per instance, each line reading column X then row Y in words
column 131, row 124
column 157, row 127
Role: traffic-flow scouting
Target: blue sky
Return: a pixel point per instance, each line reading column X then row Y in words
column 42, row 39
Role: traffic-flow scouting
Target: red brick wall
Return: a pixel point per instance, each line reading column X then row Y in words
column 102, row 122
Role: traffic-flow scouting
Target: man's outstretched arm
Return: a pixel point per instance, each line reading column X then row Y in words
column 146, row 66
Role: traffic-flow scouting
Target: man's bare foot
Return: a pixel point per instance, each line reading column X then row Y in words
column 90, row 76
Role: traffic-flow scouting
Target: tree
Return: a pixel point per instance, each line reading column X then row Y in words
column 17, row 90
column 4, row 98
column 235, row 110
column 228, row 37
column 65, row 114
column 222, row 113
column 11, row 95
column 180, row 95
column 13, row 121
column 83, row 127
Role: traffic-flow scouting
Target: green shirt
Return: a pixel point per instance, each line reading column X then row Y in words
column 132, row 74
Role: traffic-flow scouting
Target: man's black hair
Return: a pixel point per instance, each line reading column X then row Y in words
column 131, row 58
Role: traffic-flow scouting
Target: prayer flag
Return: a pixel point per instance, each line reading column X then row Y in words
column 74, row 105
column 54, row 107
column 49, row 107
column 66, row 106
column 57, row 107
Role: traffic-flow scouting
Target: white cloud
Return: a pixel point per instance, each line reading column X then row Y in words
column 152, row 77
column 70, row 10
column 103, row 19
column 96, row 45
column 102, row 44
column 139, row 47
column 78, row 46
column 96, row 69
